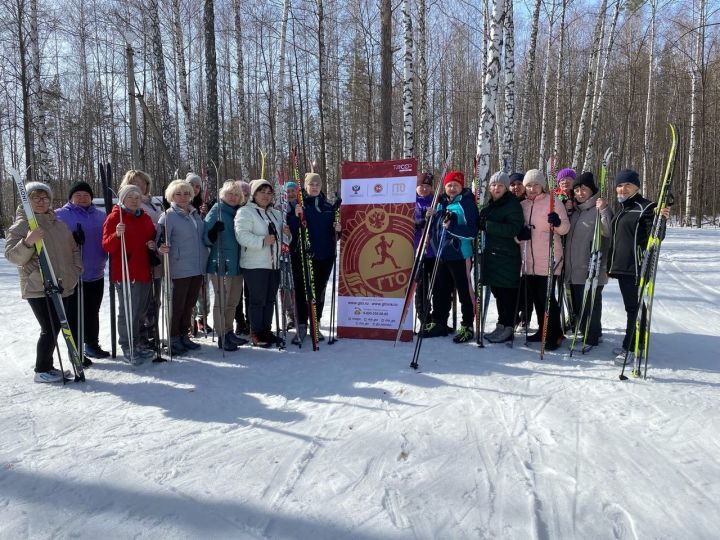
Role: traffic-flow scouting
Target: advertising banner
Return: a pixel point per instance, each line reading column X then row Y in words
column 376, row 252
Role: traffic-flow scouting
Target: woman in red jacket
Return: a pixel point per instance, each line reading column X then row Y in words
column 128, row 219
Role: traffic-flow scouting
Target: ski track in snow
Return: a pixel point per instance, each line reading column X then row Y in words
column 351, row 443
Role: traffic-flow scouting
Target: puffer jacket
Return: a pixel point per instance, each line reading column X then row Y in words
column 421, row 206
column 501, row 256
column 535, row 251
column 91, row 221
column 230, row 246
column 188, row 252
column 61, row 248
column 461, row 233
column 251, row 228
column 579, row 241
column 630, row 229
column 320, row 219
column 139, row 230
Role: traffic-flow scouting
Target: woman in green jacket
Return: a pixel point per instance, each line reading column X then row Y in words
column 501, row 220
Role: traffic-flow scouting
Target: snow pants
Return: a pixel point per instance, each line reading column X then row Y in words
column 453, row 275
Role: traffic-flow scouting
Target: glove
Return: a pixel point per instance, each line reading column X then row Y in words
column 524, row 234
column 554, row 219
column 450, row 217
column 79, row 235
column 215, row 230
column 154, row 258
column 482, row 223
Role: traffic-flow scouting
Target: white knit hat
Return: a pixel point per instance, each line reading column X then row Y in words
column 535, row 176
column 39, row 186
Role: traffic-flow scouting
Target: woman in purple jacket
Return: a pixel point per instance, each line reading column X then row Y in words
column 85, row 222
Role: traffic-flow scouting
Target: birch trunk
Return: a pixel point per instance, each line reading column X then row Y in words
column 490, row 89
column 558, row 82
column 648, row 102
column 422, row 76
column 279, row 104
column 385, row 79
column 211, row 124
column 546, row 90
column 695, row 89
column 408, row 76
column 40, row 157
column 182, row 82
column 589, row 84
column 509, row 64
column 132, row 109
column 529, row 75
column 242, row 105
column 597, row 104
column 161, row 81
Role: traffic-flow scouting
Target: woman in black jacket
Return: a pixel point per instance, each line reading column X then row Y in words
column 630, row 229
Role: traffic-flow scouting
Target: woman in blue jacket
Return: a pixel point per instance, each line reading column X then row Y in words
column 454, row 228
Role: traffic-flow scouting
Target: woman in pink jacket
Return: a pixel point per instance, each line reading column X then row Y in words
column 535, row 248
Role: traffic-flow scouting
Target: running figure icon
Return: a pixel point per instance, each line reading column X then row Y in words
column 382, row 249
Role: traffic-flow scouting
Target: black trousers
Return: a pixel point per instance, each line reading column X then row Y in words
column 505, row 300
column 185, row 293
column 321, row 274
column 536, row 290
column 453, row 275
column 263, row 288
column 423, row 299
column 49, row 329
column 629, row 292
column 595, row 328
column 92, row 299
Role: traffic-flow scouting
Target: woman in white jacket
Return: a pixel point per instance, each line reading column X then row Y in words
column 257, row 227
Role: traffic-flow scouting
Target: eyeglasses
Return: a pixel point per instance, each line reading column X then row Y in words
column 40, row 198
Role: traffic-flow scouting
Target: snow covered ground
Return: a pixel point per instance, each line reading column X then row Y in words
column 351, row 443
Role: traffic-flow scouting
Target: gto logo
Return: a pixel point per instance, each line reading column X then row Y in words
column 378, row 188
column 398, row 188
column 405, row 167
column 356, row 189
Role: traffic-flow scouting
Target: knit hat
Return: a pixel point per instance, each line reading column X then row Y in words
column 257, row 184
column 425, row 178
column 586, row 179
column 39, row 186
column 312, row 178
column 627, row 176
column 535, row 176
column 516, row 177
column 291, row 185
column 454, row 176
column 193, row 178
column 500, row 177
column 127, row 190
column 566, row 173
column 80, row 186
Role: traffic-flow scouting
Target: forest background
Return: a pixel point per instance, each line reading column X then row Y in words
column 169, row 86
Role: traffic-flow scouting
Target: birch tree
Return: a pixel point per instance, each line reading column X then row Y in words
column 408, row 79
column 597, row 102
column 182, row 81
column 242, row 105
column 211, row 123
column 279, row 104
column 40, row 158
column 323, row 99
column 509, row 68
column 529, row 75
column 558, row 80
column 696, row 86
column 589, row 84
column 424, row 131
column 490, row 89
column 546, row 90
column 648, row 102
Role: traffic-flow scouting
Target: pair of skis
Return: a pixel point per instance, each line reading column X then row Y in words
column 53, row 289
column 640, row 341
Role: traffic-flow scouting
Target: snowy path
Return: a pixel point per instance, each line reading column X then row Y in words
column 350, row 443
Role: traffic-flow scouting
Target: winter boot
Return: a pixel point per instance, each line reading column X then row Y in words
column 620, row 359
column 95, row 351
column 227, row 343
column 464, row 335
column 188, row 343
column 300, row 334
column 47, row 377
column 259, row 340
column 176, row 345
column 505, row 335
column 499, row 329
column 433, row 329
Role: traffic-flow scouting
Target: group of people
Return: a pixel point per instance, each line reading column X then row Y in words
column 239, row 243
column 177, row 245
column 511, row 236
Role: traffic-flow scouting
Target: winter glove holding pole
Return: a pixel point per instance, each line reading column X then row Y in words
column 554, row 219
column 79, row 235
column 216, row 229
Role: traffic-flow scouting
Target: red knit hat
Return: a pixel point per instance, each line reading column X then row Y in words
column 454, row 176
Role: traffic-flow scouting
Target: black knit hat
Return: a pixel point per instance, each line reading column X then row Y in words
column 425, row 178
column 586, row 179
column 516, row 177
column 80, row 186
column 627, row 176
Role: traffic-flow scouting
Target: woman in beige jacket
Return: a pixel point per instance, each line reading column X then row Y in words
column 64, row 255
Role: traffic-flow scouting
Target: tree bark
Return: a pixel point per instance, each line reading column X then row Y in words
column 508, row 155
column 529, row 75
column 408, row 79
column 211, row 127
column 424, row 131
column 182, row 82
column 386, row 62
column 546, row 91
column 558, row 81
column 242, row 105
column 648, row 102
column 695, row 89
